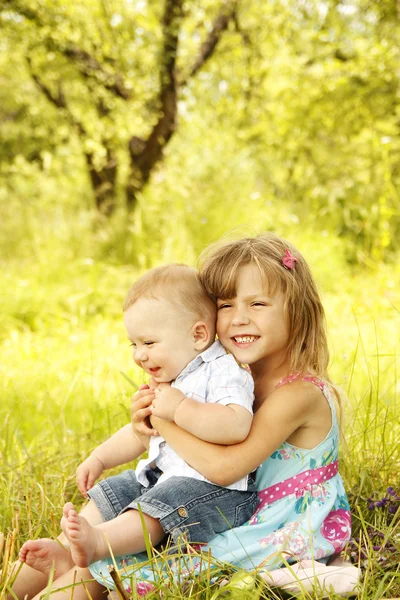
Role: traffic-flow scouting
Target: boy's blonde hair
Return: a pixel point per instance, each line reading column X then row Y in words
column 219, row 264
column 178, row 284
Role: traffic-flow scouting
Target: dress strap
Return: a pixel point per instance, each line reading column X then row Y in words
column 320, row 383
column 299, row 484
column 297, row 376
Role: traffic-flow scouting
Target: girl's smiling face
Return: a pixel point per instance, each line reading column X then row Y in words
column 253, row 325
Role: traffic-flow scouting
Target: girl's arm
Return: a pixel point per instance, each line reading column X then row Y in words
column 217, row 423
column 286, row 410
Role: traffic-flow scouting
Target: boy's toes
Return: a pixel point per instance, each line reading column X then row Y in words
column 23, row 552
column 67, row 507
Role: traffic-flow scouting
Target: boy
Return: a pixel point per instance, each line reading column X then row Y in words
column 170, row 322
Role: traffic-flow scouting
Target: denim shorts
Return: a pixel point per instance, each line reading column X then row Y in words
column 184, row 505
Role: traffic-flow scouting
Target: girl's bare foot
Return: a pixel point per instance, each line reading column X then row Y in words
column 308, row 575
column 43, row 555
column 87, row 543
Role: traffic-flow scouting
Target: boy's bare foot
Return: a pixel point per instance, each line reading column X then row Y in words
column 86, row 542
column 63, row 523
column 43, row 555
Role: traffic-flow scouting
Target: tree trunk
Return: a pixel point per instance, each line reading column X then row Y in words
column 144, row 155
column 103, row 181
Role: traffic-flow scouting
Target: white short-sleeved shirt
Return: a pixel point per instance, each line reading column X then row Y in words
column 213, row 376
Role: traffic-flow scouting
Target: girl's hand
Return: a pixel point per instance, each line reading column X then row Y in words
column 152, row 384
column 141, row 410
column 88, row 473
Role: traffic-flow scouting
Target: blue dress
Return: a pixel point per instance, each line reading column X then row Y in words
column 303, row 513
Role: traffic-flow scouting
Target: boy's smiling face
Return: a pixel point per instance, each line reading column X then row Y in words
column 162, row 337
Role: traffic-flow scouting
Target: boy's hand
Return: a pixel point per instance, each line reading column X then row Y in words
column 141, row 411
column 166, row 401
column 88, row 472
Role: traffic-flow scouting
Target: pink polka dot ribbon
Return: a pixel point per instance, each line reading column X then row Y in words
column 297, row 485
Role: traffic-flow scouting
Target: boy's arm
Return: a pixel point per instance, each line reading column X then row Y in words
column 120, row 448
column 124, row 445
column 223, row 423
column 217, row 423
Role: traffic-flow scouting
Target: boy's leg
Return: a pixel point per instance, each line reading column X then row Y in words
column 110, row 496
column 90, row 589
column 124, row 535
column 176, row 506
column 195, row 510
column 40, row 555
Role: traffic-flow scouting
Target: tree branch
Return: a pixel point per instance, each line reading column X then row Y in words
column 14, row 115
column 227, row 13
column 152, row 149
column 58, row 100
column 146, row 153
column 102, row 178
column 87, row 64
column 90, row 67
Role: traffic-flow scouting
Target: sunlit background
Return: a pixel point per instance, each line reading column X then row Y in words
column 134, row 133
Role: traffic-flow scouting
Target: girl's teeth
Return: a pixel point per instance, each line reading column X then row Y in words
column 245, row 340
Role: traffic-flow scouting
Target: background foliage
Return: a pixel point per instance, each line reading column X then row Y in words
column 136, row 133
column 293, row 102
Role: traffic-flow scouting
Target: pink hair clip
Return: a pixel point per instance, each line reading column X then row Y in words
column 289, row 260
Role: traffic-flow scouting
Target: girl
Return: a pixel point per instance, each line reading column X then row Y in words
column 270, row 317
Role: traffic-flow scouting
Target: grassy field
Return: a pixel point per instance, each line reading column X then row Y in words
column 64, row 356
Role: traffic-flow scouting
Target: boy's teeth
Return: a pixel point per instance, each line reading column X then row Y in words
column 245, row 339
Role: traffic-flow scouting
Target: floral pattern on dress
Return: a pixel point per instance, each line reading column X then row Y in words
column 143, row 588
column 287, row 540
column 329, row 456
column 342, row 502
column 257, row 518
column 336, row 528
column 310, row 493
column 281, row 454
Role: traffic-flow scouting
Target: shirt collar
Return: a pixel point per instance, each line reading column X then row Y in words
column 209, row 354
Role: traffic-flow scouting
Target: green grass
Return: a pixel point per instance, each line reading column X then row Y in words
column 64, row 353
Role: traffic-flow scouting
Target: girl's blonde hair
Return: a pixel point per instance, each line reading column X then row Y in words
column 219, row 263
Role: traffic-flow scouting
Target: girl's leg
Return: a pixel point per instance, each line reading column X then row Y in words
column 90, row 589
column 124, row 535
column 40, row 556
